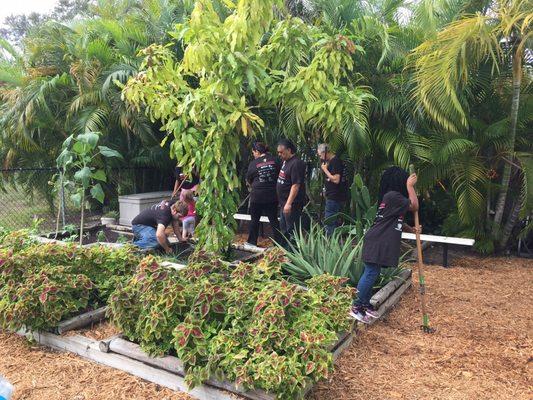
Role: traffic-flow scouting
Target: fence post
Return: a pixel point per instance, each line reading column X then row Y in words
column 62, row 199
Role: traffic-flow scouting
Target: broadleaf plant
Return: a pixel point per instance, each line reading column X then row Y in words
column 242, row 323
column 81, row 164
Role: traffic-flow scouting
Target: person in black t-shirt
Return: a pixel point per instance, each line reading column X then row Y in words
column 149, row 226
column 381, row 244
column 335, row 186
column 262, row 175
column 184, row 183
column 290, row 188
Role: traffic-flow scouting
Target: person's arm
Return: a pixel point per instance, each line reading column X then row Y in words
column 292, row 195
column 335, row 178
column 413, row 199
column 176, row 228
column 162, row 238
column 411, row 229
column 176, row 187
column 250, row 174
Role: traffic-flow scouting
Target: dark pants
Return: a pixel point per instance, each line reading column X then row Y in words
column 366, row 283
column 290, row 222
column 333, row 207
column 257, row 210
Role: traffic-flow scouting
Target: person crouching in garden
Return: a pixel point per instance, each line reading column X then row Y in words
column 335, row 186
column 381, row 245
column 149, row 226
column 189, row 221
column 262, row 175
column 290, row 188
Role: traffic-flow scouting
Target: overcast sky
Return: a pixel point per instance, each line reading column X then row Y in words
column 9, row 7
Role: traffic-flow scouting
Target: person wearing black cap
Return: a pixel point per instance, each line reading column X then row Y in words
column 262, row 176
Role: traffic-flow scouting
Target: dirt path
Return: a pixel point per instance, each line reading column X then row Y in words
column 482, row 349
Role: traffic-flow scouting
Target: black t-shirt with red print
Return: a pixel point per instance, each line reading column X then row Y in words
column 262, row 175
column 381, row 244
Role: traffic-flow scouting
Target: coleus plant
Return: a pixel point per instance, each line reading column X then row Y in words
column 44, row 298
column 243, row 323
column 40, row 285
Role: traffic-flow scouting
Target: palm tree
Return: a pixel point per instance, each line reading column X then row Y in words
column 447, row 67
column 65, row 80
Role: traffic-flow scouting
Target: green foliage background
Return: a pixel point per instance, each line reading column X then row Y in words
column 444, row 84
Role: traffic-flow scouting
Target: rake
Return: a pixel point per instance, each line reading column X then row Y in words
column 422, row 282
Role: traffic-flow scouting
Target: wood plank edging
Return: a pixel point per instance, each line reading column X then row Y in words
column 391, row 301
column 386, row 291
column 89, row 349
column 82, row 320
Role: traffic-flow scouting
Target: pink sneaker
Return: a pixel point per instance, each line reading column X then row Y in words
column 371, row 313
column 364, row 318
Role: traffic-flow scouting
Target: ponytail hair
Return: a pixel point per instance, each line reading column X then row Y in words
column 260, row 147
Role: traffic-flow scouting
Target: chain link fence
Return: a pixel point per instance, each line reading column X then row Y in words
column 29, row 200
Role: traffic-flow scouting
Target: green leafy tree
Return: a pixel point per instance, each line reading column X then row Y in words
column 207, row 101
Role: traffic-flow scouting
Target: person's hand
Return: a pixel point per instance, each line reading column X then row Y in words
column 417, row 229
column 324, row 167
column 287, row 209
column 168, row 250
column 411, row 181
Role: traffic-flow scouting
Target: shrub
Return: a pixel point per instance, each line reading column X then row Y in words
column 42, row 284
column 313, row 253
column 245, row 323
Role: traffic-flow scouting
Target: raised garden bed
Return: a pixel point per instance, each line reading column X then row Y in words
column 258, row 292
column 167, row 371
column 117, row 352
column 116, row 236
column 92, row 234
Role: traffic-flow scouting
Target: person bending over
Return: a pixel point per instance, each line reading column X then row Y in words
column 381, row 244
column 149, row 226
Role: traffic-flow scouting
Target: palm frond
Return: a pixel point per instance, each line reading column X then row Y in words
column 442, row 66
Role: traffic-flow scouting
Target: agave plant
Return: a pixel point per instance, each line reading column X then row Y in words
column 313, row 253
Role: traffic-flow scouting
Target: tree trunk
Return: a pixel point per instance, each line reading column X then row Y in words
column 82, row 216
column 506, row 177
column 511, row 222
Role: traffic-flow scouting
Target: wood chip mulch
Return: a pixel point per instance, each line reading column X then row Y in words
column 482, row 348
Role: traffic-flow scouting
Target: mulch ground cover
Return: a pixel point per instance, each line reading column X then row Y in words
column 482, row 348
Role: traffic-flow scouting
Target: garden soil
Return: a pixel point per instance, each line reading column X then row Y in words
column 482, row 348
